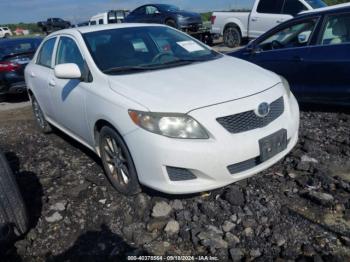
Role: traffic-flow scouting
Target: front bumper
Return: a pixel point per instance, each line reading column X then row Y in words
column 209, row 159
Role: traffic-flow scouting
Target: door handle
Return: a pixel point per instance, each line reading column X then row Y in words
column 254, row 19
column 32, row 74
column 279, row 21
column 52, row 83
column 298, row 59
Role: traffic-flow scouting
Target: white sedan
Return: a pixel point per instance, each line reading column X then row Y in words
column 160, row 108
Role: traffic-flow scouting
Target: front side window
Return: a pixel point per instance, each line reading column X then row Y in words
column 92, row 22
column 144, row 48
column 151, row 10
column 293, row 7
column 100, row 21
column 68, row 52
column 45, row 53
column 337, row 30
column 270, row 6
column 297, row 35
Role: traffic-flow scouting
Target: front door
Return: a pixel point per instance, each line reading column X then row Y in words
column 328, row 62
column 68, row 95
column 284, row 52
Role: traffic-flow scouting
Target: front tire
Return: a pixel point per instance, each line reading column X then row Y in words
column 43, row 125
column 232, row 37
column 118, row 163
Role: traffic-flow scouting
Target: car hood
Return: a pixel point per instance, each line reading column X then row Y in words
column 185, row 88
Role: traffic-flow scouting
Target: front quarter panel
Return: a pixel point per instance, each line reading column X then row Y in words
column 102, row 103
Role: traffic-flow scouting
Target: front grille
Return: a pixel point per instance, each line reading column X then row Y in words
column 246, row 121
column 179, row 174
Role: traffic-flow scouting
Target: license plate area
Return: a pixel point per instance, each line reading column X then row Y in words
column 273, row 144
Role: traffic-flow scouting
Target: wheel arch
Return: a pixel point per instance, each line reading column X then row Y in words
column 99, row 124
column 233, row 24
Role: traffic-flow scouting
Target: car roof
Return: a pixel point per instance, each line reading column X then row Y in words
column 345, row 6
column 95, row 28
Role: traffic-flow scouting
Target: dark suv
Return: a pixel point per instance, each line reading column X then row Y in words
column 166, row 14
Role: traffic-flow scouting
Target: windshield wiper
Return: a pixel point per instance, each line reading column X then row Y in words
column 123, row 69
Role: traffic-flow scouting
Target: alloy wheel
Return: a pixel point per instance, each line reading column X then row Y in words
column 232, row 38
column 116, row 161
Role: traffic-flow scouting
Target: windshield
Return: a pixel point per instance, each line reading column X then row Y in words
column 316, row 3
column 18, row 46
column 133, row 49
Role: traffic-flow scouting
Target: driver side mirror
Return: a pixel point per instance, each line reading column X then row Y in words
column 303, row 37
column 67, row 71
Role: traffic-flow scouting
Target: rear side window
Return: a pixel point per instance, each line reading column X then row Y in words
column 140, row 11
column 293, row 7
column 68, row 52
column 270, row 6
column 92, row 22
column 45, row 53
column 100, row 22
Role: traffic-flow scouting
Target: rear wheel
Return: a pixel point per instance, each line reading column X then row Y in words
column 13, row 216
column 232, row 37
column 7, row 35
column 43, row 125
column 118, row 163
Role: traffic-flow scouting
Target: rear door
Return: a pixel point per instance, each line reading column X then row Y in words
column 265, row 15
column 137, row 16
column 40, row 73
column 285, row 49
column 328, row 62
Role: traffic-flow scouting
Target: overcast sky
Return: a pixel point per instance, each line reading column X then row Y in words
column 15, row 11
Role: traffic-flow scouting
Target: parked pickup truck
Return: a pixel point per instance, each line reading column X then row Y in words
column 235, row 26
column 53, row 24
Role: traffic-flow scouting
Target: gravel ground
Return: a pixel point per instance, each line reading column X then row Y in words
column 297, row 210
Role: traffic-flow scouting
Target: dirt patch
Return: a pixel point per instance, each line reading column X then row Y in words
column 76, row 214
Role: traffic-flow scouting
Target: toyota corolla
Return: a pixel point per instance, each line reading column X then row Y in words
column 160, row 108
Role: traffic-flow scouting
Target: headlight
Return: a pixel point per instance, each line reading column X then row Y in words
column 170, row 125
column 286, row 85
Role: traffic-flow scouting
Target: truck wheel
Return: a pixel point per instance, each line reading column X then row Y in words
column 12, row 210
column 118, row 163
column 7, row 36
column 171, row 23
column 232, row 37
column 44, row 126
